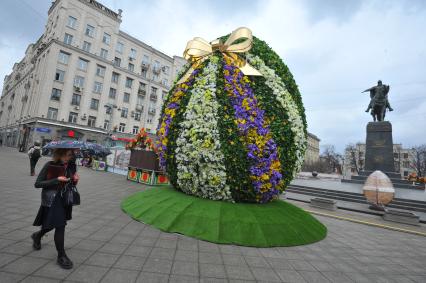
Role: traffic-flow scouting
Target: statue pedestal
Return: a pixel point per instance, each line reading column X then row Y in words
column 379, row 147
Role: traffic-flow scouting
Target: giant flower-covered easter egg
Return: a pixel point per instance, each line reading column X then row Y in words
column 224, row 135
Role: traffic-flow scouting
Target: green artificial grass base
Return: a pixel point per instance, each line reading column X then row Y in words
column 277, row 223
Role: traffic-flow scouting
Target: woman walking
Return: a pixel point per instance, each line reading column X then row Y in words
column 53, row 214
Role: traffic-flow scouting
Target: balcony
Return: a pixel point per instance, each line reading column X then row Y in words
column 139, row 107
column 77, row 88
column 153, row 97
column 156, row 70
column 151, row 111
column 145, row 65
column 142, row 91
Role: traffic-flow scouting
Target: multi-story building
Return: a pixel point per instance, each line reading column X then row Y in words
column 84, row 79
column 312, row 150
column 354, row 160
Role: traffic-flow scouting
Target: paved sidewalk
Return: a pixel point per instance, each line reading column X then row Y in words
column 108, row 246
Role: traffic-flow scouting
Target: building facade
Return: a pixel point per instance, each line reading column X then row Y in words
column 84, row 79
column 354, row 159
column 312, row 153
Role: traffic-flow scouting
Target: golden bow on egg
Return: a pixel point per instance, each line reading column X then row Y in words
column 198, row 49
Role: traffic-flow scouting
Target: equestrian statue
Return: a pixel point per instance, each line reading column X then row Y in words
column 379, row 101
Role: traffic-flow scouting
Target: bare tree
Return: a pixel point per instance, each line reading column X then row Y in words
column 351, row 149
column 332, row 159
column 419, row 159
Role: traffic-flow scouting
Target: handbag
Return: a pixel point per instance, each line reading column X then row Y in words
column 70, row 194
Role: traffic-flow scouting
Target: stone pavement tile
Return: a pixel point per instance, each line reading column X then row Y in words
column 232, row 259
column 160, row 253
column 257, row 261
column 149, row 277
column 185, row 255
column 17, row 235
column 115, row 275
column 87, row 273
column 144, row 241
column 47, row 252
column 19, row 248
column 212, row 270
column 10, row 277
column 78, row 256
column 24, row 265
column 89, row 245
column 130, row 262
column 183, row 279
column 169, row 236
column 313, row 276
column 187, row 244
column 418, row 278
column 401, row 278
column 212, row 280
column 271, row 252
column 229, row 249
column 298, row 264
column 344, row 267
column 150, row 232
column 185, row 268
column 6, row 258
column 53, row 270
column 322, row 265
column 122, row 239
column 249, row 251
column 265, row 274
column 102, row 259
column 289, row 276
column 37, row 279
column 208, row 247
column 210, row 258
column 335, row 276
column 358, row 277
column 158, row 265
column 6, row 242
column 166, row 243
column 239, row 272
column 138, row 251
column 113, row 248
column 277, row 263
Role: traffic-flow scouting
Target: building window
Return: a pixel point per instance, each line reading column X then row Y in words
column 97, row 87
column 76, row 99
column 395, row 155
column 112, row 93
column 106, row 38
column 126, row 97
column 52, row 113
column 164, row 95
column 406, row 164
column 79, row 81
column 149, row 120
column 87, row 46
column 132, row 53
column 135, row 130
column 72, row 118
column 166, row 82
column 119, row 47
column 82, row 64
column 405, row 155
column 124, row 112
column 405, row 173
column 117, row 61
column 140, row 100
column 144, row 73
column 63, row 57
column 91, row 122
column 106, row 124
column 100, row 70
column 104, row 53
column 166, row 70
column 59, row 75
column 138, row 115
column 129, row 82
column 122, row 127
column 131, row 67
column 68, row 38
column 72, row 22
column 56, row 94
column 145, row 60
column 94, row 104
column 115, row 76
column 90, row 30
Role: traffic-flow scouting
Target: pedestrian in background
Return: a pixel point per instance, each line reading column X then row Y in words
column 53, row 213
column 34, row 154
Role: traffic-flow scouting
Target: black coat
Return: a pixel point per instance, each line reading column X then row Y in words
column 51, row 187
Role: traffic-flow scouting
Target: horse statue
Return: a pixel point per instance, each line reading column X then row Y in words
column 379, row 101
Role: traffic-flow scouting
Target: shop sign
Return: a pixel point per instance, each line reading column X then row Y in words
column 43, row 130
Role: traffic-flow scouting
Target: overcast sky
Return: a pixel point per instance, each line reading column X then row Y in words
column 335, row 49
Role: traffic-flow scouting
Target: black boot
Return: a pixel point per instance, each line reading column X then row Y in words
column 36, row 240
column 64, row 261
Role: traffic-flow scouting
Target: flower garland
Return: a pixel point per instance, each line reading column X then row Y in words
column 254, row 128
column 142, row 141
column 199, row 159
column 170, row 110
column 283, row 96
